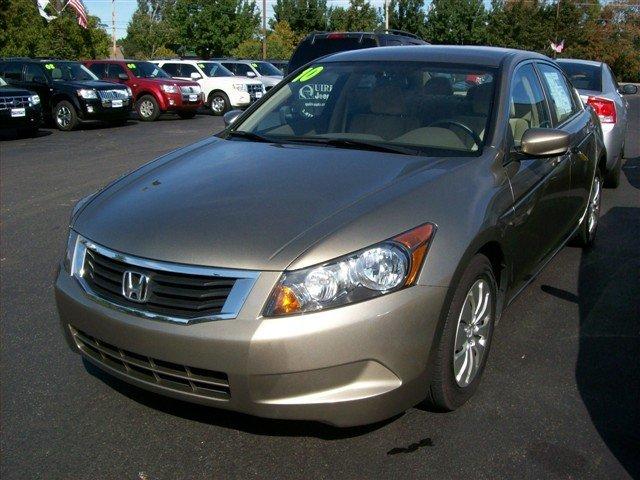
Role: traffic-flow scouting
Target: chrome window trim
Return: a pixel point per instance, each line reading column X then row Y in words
column 245, row 279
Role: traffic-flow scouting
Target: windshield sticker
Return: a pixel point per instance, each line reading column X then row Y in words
column 201, row 65
column 49, row 66
column 559, row 93
column 308, row 74
column 131, row 65
column 254, row 65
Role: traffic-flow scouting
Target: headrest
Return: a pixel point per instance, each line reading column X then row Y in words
column 480, row 96
column 56, row 74
column 388, row 100
column 438, row 86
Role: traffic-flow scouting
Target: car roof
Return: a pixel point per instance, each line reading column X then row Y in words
column 594, row 63
column 489, row 56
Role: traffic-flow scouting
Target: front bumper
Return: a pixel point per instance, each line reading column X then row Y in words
column 179, row 102
column 95, row 109
column 244, row 99
column 348, row 366
column 31, row 119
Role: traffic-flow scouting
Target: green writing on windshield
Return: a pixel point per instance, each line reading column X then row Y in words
column 49, row 66
column 201, row 65
column 131, row 65
column 308, row 74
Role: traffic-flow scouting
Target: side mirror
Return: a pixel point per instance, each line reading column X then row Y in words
column 251, row 74
column 123, row 76
column 231, row 116
column 629, row 89
column 545, row 142
column 195, row 76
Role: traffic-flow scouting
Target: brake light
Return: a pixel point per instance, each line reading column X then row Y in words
column 605, row 109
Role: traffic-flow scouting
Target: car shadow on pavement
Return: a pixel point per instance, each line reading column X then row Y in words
column 608, row 364
column 632, row 170
column 227, row 418
column 13, row 134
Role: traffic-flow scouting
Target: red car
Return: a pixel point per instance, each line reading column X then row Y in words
column 154, row 91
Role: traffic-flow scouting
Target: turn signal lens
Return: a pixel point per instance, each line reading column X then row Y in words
column 368, row 273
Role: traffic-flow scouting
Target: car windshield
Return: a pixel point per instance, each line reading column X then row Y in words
column 146, row 70
column 413, row 107
column 265, row 68
column 65, row 71
column 583, row 76
column 215, row 69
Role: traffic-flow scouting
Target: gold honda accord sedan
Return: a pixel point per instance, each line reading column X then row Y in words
column 344, row 248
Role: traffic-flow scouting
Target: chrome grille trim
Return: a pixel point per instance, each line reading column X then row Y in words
column 7, row 103
column 187, row 90
column 113, row 94
column 244, row 281
column 253, row 88
column 166, row 374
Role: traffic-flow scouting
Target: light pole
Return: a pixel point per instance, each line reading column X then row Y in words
column 113, row 28
column 264, row 29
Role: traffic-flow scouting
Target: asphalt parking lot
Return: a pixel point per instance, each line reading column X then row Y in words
column 560, row 397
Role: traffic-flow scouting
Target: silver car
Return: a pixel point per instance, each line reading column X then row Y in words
column 598, row 88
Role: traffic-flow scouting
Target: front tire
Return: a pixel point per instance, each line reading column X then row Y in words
column 147, row 108
column 464, row 345
column 219, row 103
column 586, row 235
column 65, row 116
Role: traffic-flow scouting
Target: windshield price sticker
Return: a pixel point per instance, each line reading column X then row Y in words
column 131, row 65
column 254, row 65
column 201, row 65
column 49, row 66
column 308, row 74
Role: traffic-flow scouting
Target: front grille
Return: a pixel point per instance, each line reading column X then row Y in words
column 169, row 294
column 167, row 374
column 253, row 89
column 114, row 94
column 7, row 103
column 189, row 90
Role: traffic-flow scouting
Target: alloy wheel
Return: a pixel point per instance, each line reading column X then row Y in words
column 146, row 108
column 63, row 116
column 217, row 104
column 472, row 332
column 594, row 206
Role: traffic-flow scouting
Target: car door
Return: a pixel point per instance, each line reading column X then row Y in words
column 186, row 70
column 568, row 114
column 539, row 185
column 114, row 70
column 35, row 79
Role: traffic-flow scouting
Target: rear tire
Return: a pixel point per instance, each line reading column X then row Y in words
column 187, row 114
column 218, row 103
column 464, row 345
column 147, row 108
column 65, row 116
column 612, row 178
column 586, row 235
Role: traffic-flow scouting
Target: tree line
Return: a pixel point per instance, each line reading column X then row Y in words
column 217, row 28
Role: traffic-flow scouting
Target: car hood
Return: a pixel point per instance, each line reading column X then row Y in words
column 7, row 91
column 240, row 204
column 97, row 84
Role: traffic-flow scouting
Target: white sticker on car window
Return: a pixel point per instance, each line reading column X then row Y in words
column 559, row 93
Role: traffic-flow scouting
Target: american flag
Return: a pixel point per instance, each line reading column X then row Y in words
column 81, row 12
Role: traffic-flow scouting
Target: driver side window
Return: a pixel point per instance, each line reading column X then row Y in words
column 527, row 108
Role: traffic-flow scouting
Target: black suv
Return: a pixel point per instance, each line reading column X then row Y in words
column 319, row 44
column 19, row 109
column 69, row 92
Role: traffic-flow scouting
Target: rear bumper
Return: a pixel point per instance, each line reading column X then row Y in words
column 347, row 366
column 613, row 136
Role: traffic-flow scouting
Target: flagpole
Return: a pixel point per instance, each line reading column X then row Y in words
column 113, row 28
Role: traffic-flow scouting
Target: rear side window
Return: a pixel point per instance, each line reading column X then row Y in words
column 308, row 51
column 172, row 69
column 186, row 70
column 13, row 71
column 115, row 69
column 583, row 76
column 527, row 107
column 562, row 102
column 98, row 69
column 34, row 73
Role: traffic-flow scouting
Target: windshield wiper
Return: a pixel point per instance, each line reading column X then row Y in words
column 357, row 145
column 248, row 136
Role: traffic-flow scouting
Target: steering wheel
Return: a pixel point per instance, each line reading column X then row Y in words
column 476, row 139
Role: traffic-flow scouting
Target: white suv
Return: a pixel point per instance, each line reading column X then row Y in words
column 222, row 89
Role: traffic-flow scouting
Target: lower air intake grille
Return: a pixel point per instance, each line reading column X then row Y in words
column 152, row 370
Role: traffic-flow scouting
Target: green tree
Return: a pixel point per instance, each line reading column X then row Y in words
column 212, row 28
column 522, row 24
column 280, row 44
column 360, row 16
column 26, row 33
column 148, row 31
column 458, row 22
column 408, row 15
column 303, row 16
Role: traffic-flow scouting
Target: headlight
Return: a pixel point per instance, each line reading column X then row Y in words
column 69, row 253
column 170, row 88
column 196, row 89
column 129, row 92
column 34, row 100
column 374, row 271
column 241, row 87
column 87, row 93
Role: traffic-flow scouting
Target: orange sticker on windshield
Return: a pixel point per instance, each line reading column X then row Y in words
column 308, row 74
